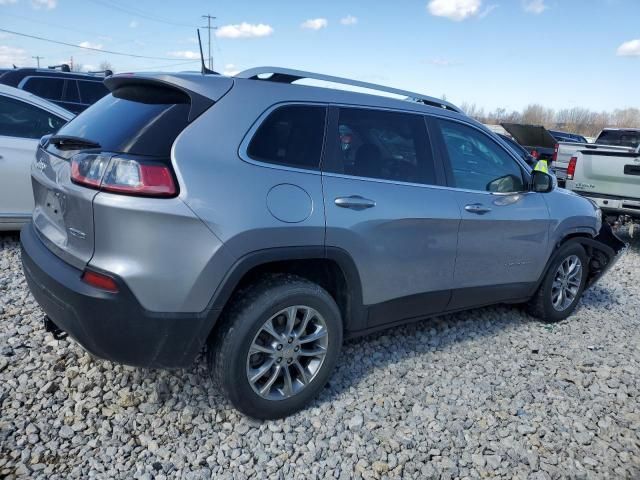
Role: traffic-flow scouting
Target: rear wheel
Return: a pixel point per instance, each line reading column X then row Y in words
column 562, row 285
column 277, row 345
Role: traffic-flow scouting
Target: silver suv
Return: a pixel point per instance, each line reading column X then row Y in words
column 268, row 221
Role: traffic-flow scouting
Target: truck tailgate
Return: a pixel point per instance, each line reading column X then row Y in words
column 609, row 173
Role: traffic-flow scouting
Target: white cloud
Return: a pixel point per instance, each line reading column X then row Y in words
column 315, row 23
column 7, row 2
column 629, row 49
column 85, row 44
column 534, row 6
column 46, row 4
column 487, row 11
column 188, row 54
column 230, row 70
column 349, row 20
column 133, row 24
column 244, row 30
column 456, row 10
column 12, row 56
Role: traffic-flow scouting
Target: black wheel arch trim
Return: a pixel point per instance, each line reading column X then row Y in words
column 357, row 314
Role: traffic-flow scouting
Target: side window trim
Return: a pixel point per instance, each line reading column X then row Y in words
column 444, row 153
column 246, row 140
column 330, row 165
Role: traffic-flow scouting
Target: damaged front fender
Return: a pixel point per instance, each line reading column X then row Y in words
column 604, row 251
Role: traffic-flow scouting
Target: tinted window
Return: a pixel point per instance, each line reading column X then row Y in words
column 19, row 119
column 139, row 120
column 50, row 88
column 624, row 138
column 71, row 92
column 386, row 145
column 479, row 163
column 291, row 135
column 91, row 92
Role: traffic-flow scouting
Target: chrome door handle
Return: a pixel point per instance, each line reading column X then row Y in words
column 354, row 202
column 477, row 208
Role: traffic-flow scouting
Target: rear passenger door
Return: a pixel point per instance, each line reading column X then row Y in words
column 384, row 206
column 503, row 236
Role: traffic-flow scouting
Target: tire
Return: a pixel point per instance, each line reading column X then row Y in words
column 271, row 301
column 542, row 304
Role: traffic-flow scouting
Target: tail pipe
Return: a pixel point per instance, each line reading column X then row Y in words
column 53, row 329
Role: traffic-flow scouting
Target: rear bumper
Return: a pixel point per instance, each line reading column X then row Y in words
column 614, row 205
column 112, row 326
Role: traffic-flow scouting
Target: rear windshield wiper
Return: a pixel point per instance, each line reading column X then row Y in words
column 69, row 142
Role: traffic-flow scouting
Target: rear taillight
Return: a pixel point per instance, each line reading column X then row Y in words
column 535, row 154
column 555, row 153
column 124, row 175
column 571, row 169
column 99, row 280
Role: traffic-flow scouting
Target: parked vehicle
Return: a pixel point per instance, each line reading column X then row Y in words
column 71, row 90
column 623, row 137
column 611, row 180
column 24, row 118
column 564, row 151
column 520, row 150
column 535, row 138
column 567, row 137
column 268, row 221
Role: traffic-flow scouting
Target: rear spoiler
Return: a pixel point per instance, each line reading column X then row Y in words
column 178, row 84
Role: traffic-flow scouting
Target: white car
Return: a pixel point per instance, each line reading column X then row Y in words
column 24, row 118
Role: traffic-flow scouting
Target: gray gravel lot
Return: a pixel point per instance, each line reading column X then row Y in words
column 488, row 393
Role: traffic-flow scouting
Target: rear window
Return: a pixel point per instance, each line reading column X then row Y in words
column 91, row 92
column 292, row 136
column 141, row 120
column 44, row 87
column 623, row 138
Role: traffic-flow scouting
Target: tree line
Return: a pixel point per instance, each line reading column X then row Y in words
column 575, row 120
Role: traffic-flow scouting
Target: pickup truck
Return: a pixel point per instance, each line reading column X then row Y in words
column 611, row 180
column 564, row 151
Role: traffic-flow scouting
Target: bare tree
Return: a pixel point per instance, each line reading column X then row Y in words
column 106, row 65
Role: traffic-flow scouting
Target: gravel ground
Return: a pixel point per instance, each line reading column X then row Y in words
column 488, row 393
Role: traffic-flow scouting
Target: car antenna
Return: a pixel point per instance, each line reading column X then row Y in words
column 205, row 70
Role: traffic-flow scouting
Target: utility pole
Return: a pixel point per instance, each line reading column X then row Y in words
column 38, row 58
column 209, row 28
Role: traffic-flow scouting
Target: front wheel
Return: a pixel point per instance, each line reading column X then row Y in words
column 562, row 285
column 277, row 346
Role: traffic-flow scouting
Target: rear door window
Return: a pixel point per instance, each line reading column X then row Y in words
column 71, row 92
column 20, row 119
column 45, row 87
column 624, row 138
column 382, row 144
column 91, row 91
column 291, row 135
column 141, row 120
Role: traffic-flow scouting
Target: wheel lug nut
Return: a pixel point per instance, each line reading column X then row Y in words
column 289, row 361
column 279, row 347
column 279, row 359
column 290, row 339
column 296, row 349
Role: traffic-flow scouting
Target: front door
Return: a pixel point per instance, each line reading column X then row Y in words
column 384, row 207
column 503, row 236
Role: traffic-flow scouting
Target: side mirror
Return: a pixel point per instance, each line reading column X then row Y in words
column 541, row 182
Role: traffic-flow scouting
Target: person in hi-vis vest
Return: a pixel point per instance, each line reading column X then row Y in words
column 542, row 166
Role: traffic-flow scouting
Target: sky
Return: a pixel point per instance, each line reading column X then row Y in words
column 494, row 53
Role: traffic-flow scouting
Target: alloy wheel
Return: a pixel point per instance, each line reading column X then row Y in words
column 566, row 283
column 287, row 352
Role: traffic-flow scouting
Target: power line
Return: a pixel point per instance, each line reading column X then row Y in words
column 87, row 48
column 139, row 13
column 209, row 28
